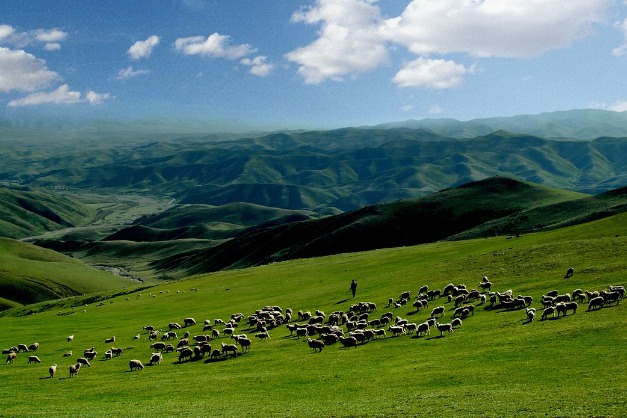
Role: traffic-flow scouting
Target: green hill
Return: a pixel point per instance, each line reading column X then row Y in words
column 30, row 274
column 496, row 364
column 25, row 212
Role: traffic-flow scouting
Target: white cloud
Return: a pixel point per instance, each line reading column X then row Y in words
column 621, row 50
column 21, row 71
column 52, row 46
column 258, row 65
column 354, row 37
column 50, row 35
column 214, row 46
column 430, row 73
column 435, row 110
column 130, row 72
column 143, row 49
column 348, row 42
column 62, row 95
column 6, row 31
column 51, row 38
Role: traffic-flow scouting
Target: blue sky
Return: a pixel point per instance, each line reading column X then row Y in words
column 311, row 64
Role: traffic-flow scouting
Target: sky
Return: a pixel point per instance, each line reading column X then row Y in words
column 310, row 64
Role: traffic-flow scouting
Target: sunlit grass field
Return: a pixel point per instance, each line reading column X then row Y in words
column 495, row 364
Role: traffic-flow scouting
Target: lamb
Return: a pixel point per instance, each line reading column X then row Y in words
column 438, row 311
column 74, row 369
column 596, row 303
column 348, row 342
column 135, row 365
column 83, row 362
column 226, row 348
column 531, row 314
column 33, row 359
column 156, row 358
column 110, row 340
column 52, row 370
column 445, row 327
column 316, row 345
column 11, row 357
column 548, row 311
column 189, row 322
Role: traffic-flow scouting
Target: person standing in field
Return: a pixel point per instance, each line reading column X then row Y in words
column 354, row 287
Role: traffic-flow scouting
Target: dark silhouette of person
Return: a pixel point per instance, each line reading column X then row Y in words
column 354, row 287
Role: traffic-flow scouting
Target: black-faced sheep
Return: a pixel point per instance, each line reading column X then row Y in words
column 33, row 359
column 229, row 348
column 74, row 369
column 135, row 365
column 52, row 370
column 316, row 345
column 548, row 311
column 156, row 358
column 11, row 357
column 348, row 342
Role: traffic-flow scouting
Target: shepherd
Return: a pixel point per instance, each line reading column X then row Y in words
column 354, row 287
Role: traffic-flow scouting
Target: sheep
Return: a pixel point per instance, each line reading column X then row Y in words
column 348, row 342
column 116, row 351
column 74, row 369
column 226, row 348
column 90, row 354
column 417, row 304
column 316, row 345
column 22, row 347
column 456, row 322
column 438, row 311
column 596, row 302
column 68, row 354
column 83, row 362
column 552, row 293
column 409, row 328
column 445, row 327
column 262, row 335
column 108, row 354
column 11, row 357
column 158, row 345
column 156, row 358
column 329, row 339
column 110, row 340
column 619, row 289
column 485, row 285
column 560, row 308
column 174, row 325
column 610, row 297
column 70, row 338
column 569, row 273
column 432, row 294
column 562, row 298
column 396, row 330
column 527, row 299
column 379, row 332
column 136, row 337
column 244, row 343
column 548, row 311
column 201, row 338
column 182, row 343
column 185, row 353
column 215, row 354
column 482, row 299
column 215, row 333
column 135, row 365
column 33, row 359
column 228, row 331
column 153, row 335
column 169, row 348
column 423, row 329
column 301, row 332
column 531, row 314
column 52, row 370
column 189, row 322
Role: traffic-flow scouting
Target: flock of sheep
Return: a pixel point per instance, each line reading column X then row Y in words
column 358, row 325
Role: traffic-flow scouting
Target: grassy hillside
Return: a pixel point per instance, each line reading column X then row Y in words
column 495, row 364
column 30, row 274
column 25, row 212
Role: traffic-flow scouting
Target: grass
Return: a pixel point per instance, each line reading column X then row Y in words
column 496, row 364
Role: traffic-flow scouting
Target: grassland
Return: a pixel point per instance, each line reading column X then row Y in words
column 496, row 364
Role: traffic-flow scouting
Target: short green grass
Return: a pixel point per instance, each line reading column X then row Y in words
column 494, row 365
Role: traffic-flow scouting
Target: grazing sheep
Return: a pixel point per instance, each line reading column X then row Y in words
column 560, row 308
column 569, row 273
column 153, row 335
column 74, row 369
column 215, row 354
column 11, row 357
column 90, row 354
column 548, row 311
column 70, row 338
column 552, row 293
column 619, row 289
column 185, row 353
column 244, row 343
column 562, row 298
column 438, row 311
column 445, row 327
column 182, row 343
column 348, row 342
column 316, row 345
column 596, row 303
column 33, row 359
column 158, row 345
column 301, row 332
column 22, row 347
column 417, row 304
column 189, row 322
column 423, row 329
column 68, row 354
column 174, row 325
column 610, row 297
column 33, row 347
column 156, row 358
column 215, row 333
column 456, row 322
column 116, row 351
column 396, row 330
column 52, row 370
column 226, row 348
column 262, row 335
column 482, row 299
column 83, row 362
column 531, row 314
column 135, row 365
column 411, row 327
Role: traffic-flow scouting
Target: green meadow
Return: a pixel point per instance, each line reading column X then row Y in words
column 496, row 364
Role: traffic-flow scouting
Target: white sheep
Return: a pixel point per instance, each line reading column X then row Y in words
column 74, row 369
column 316, row 345
column 156, row 358
column 531, row 314
column 423, row 329
column 52, row 370
column 68, row 354
column 33, row 359
column 83, row 361
column 11, row 357
column 110, row 340
column 232, row 348
column 445, row 327
column 135, row 364
column 548, row 311
column 438, row 311
column 456, row 322
column 108, row 354
column 70, row 338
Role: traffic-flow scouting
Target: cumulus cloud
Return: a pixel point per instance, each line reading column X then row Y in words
column 430, row 73
column 62, row 95
column 258, row 65
column 214, row 46
column 50, row 35
column 5, row 32
column 143, row 49
column 21, row 71
column 349, row 40
column 354, row 37
column 51, row 38
column 130, row 72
